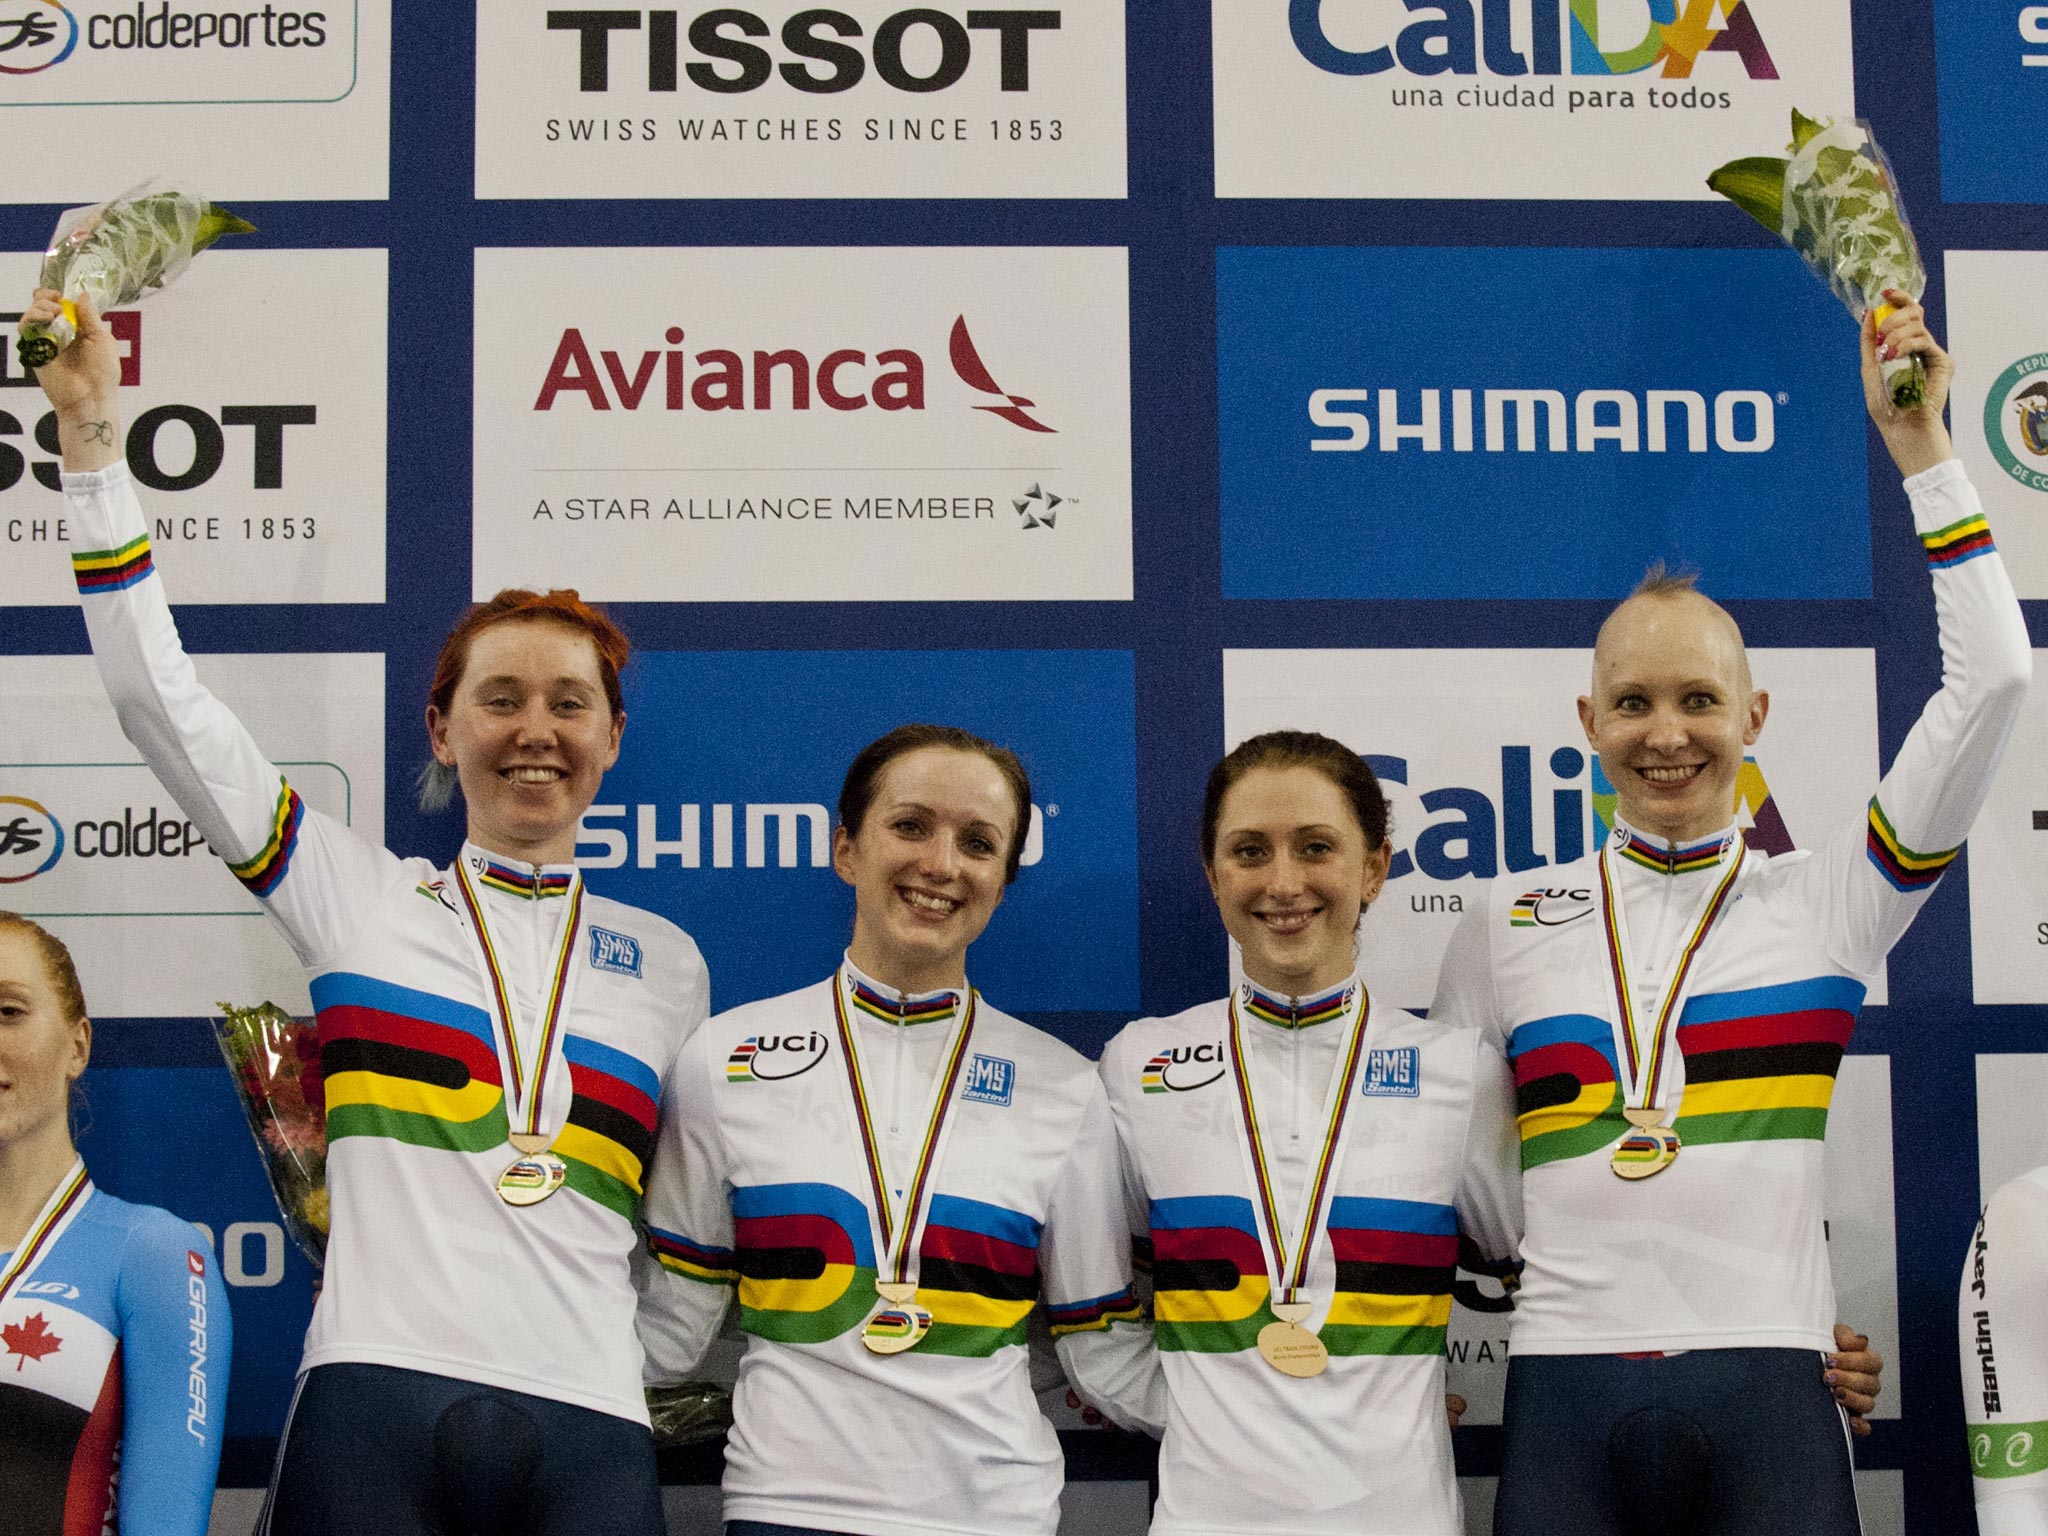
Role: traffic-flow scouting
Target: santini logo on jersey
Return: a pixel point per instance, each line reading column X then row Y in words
column 1395, row 1073
column 1549, row 907
column 990, row 1080
column 771, row 1058
column 614, row 952
column 1181, row 1068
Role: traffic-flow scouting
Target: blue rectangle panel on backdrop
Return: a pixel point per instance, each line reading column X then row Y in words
column 1991, row 73
column 1435, row 423
column 719, row 812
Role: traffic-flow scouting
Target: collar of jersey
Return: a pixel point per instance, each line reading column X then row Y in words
column 883, row 1002
column 537, row 882
column 1669, row 858
column 1296, row 1012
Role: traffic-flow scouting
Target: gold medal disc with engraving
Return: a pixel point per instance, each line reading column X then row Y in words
column 1649, row 1148
column 898, row 1324
column 1290, row 1348
column 532, row 1179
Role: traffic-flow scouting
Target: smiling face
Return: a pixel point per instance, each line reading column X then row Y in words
column 927, row 865
column 530, row 734
column 1291, row 871
column 42, row 1051
column 1671, row 712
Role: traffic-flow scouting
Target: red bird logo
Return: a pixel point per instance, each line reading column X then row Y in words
column 968, row 364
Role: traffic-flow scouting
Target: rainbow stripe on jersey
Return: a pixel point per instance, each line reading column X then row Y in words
column 1902, row 867
column 265, row 870
column 1642, row 851
column 1951, row 546
column 1567, row 1087
column 880, row 1006
column 1760, row 1063
column 1296, row 1013
column 536, row 884
column 1395, row 1263
column 423, row 1069
column 110, row 570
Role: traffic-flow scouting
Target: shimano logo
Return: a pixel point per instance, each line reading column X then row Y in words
column 1533, row 420
column 798, row 834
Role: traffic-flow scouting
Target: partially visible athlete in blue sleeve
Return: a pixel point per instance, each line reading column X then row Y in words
column 114, row 1329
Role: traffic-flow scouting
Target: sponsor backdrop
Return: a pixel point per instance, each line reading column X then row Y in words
column 1114, row 379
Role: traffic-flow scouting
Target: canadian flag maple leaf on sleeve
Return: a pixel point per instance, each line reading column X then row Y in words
column 31, row 1340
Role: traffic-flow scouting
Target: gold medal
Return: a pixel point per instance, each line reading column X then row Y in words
column 1290, row 1348
column 899, row 1323
column 1649, row 1148
column 532, row 1179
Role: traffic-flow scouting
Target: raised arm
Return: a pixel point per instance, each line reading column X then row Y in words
column 1878, row 872
column 311, row 873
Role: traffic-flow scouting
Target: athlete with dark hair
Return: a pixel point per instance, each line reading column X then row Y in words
column 494, row 1040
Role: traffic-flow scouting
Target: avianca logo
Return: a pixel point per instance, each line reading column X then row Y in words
column 670, row 378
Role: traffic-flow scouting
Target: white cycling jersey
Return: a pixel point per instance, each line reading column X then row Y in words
column 1726, row 1247
column 2002, row 1333
column 427, row 1268
column 763, row 1189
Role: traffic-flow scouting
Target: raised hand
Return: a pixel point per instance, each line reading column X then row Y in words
column 81, row 384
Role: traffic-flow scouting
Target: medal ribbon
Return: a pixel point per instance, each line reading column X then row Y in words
column 523, row 1097
column 1310, row 1226
column 65, row 1202
column 896, row 1240
column 1646, row 1058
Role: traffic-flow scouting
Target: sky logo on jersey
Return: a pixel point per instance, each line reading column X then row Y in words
column 614, row 952
column 805, row 1261
column 1394, row 1073
column 1069, row 714
column 1567, row 1092
column 990, row 1080
column 771, row 1058
column 1182, row 1068
column 1456, row 37
column 1370, row 394
column 1991, row 73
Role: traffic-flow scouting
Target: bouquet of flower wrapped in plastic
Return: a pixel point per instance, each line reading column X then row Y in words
column 1836, row 203
column 119, row 251
column 275, row 1060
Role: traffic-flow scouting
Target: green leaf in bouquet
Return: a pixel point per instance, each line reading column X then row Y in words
column 1804, row 130
column 1756, row 186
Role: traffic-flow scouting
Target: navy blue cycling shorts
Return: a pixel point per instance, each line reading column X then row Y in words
column 1713, row 1442
column 371, row 1450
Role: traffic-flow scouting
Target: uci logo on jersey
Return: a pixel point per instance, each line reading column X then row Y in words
column 1549, row 907
column 1182, row 1068
column 614, row 952
column 990, row 1080
column 1394, row 1073
column 771, row 1058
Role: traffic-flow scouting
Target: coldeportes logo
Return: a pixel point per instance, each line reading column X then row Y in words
column 35, row 35
column 2016, row 421
column 1633, row 421
column 1182, row 1068
column 722, row 379
column 772, row 1058
column 919, row 50
column 31, row 839
column 1460, row 36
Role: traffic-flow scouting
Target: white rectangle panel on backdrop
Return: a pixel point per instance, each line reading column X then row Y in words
column 254, row 422
column 2008, row 862
column 2011, row 1137
column 804, row 425
column 780, row 98
column 1489, row 775
column 92, row 847
column 2000, row 400
column 278, row 101
column 1862, row 1248
column 1515, row 98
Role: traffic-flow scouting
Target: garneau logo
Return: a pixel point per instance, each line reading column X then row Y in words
column 1634, row 421
column 918, row 50
column 195, row 1345
column 802, row 833
column 722, row 379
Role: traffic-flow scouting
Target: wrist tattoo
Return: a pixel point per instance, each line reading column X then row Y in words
column 101, row 432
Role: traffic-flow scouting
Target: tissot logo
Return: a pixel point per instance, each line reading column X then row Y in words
column 888, row 378
column 729, row 51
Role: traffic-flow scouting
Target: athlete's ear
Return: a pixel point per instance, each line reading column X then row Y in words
column 618, row 730
column 1586, row 719
column 1753, row 727
column 842, row 853
column 437, row 737
column 81, row 1049
column 1376, row 864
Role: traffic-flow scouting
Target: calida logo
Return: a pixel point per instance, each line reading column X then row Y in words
column 1582, row 38
column 772, row 1058
column 1182, row 1068
column 1469, row 834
